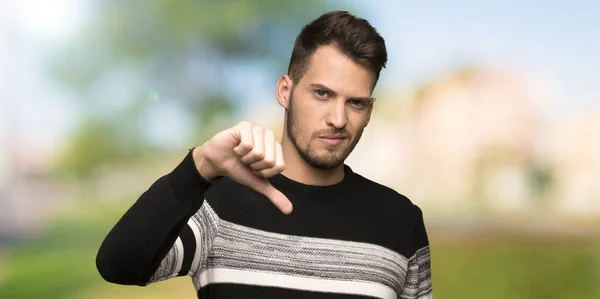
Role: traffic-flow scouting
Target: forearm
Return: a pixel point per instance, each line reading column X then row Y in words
column 135, row 246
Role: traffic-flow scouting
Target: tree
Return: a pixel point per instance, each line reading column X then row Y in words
column 135, row 55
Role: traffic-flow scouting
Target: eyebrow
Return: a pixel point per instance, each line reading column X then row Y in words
column 325, row 88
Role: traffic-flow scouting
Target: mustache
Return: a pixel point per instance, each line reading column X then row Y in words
column 330, row 132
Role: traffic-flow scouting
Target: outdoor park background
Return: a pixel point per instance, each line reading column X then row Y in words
column 488, row 117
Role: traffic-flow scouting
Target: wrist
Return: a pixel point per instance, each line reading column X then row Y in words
column 204, row 166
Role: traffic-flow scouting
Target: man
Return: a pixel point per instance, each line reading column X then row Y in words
column 248, row 217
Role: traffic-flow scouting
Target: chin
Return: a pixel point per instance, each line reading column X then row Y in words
column 326, row 161
column 323, row 165
column 327, row 157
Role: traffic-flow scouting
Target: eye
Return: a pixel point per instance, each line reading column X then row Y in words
column 358, row 104
column 321, row 93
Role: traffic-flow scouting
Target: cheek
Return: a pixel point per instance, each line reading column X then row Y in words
column 310, row 118
column 359, row 122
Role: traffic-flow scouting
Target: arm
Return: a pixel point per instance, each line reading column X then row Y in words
column 418, row 277
column 158, row 238
column 142, row 246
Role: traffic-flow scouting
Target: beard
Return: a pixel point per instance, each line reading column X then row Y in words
column 334, row 155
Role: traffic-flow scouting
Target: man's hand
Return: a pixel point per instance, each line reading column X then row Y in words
column 249, row 155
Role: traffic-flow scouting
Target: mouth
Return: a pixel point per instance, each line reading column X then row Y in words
column 334, row 136
column 332, row 140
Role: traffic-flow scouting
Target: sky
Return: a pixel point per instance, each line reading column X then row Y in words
column 558, row 42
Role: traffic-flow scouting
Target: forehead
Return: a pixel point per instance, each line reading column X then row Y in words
column 332, row 68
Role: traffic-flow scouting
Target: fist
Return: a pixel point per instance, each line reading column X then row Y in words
column 248, row 154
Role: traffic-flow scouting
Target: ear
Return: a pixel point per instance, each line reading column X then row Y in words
column 284, row 90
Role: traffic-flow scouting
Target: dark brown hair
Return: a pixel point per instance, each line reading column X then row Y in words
column 353, row 36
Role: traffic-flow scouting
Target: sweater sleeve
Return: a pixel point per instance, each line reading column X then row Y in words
column 417, row 284
column 157, row 236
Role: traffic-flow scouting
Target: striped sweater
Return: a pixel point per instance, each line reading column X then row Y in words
column 354, row 239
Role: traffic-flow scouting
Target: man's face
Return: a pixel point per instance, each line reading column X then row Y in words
column 329, row 108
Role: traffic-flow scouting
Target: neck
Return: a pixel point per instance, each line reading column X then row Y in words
column 297, row 169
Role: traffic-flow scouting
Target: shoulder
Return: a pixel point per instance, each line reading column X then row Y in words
column 395, row 214
column 381, row 192
column 387, row 199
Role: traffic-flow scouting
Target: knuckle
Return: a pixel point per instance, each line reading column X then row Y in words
column 280, row 164
column 270, row 163
column 280, row 167
column 258, row 155
column 258, row 187
column 246, row 146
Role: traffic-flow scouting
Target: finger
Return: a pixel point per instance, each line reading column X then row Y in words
column 269, row 149
column 280, row 200
column 279, row 163
column 258, row 150
column 275, row 196
column 243, row 132
column 261, row 185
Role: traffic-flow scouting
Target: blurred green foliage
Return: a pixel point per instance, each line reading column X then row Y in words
column 94, row 143
column 134, row 56
column 541, row 180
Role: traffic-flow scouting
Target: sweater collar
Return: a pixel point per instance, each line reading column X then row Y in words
column 299, row 188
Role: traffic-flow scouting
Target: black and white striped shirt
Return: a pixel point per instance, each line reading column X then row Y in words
column 354, row 239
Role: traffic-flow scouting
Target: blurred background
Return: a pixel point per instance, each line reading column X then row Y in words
column 488, row 118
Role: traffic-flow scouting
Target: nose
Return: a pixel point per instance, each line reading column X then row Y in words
column 337, row 116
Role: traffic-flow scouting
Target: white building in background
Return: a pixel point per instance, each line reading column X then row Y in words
column 472, row 139
column 573, row 147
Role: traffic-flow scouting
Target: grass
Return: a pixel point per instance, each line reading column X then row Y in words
column 59, row 262
column 510, row 266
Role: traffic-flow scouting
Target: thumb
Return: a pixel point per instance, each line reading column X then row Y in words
column 262, row 185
